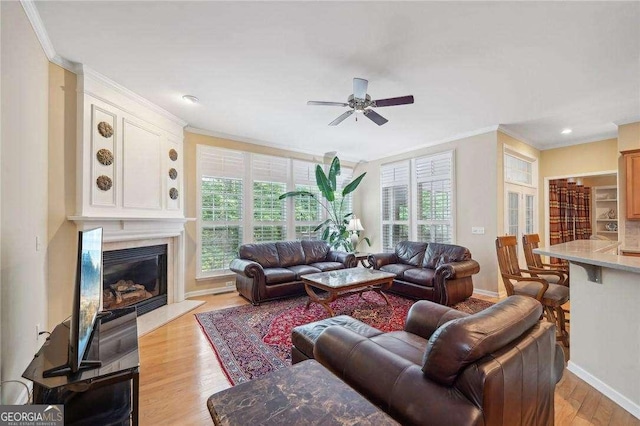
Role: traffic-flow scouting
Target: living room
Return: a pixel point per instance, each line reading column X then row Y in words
column 488, row 79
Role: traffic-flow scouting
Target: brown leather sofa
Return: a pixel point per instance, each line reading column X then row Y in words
column 267, row 271
column 497, row 367
column 437, row 272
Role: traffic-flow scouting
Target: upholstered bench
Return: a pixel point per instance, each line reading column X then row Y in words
column 304, row 336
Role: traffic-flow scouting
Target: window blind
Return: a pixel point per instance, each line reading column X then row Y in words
column 434, row 197
column 395, row 204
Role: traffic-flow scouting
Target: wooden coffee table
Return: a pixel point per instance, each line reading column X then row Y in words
column 344, row 282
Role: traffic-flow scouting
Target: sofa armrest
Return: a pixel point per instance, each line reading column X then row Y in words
column 399, row 388
column 425, row 317
column 347, row 259
column 380, row 259
column 456, row 270
column 247, row 268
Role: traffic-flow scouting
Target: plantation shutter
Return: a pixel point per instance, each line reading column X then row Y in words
column 220, row 215
column 395, row 204
column 434, row 197
column 307, row 212
column 270, row 176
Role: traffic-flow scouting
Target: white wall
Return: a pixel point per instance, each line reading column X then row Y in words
column 476, row 200
column 24, row 183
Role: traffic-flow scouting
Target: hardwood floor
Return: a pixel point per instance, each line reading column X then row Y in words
column 179, row 371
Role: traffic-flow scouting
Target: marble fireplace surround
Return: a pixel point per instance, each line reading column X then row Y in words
column 121, row 233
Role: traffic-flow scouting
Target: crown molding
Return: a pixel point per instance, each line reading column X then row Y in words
column 319, row 157
column 502, row 128
column 627, row 120
column 452, row 138
column 31, row 10
column 106, row 81
column 596, row 138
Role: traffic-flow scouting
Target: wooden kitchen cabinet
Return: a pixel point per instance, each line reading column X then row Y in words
column 632, row 162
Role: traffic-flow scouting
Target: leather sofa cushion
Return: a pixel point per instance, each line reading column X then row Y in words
column 265, row 254
column 437, row 254
column 278, row 275
column 463, row 341
column 300, row 270
column 410, row 252
column 555, row 295
column 327, row 266
column 408, row 346
column 290, row 253
column 420, row 276
column 396, row 268
column 314, row 251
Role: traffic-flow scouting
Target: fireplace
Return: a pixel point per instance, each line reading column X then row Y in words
column 135, row 277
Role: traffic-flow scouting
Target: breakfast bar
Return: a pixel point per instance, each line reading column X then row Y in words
column 605, row 318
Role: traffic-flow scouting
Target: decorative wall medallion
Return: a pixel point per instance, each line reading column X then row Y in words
column 173, row 173
column 105, row 129
column 104, row 182
column 173, row 193
column 105, row 157
column 173, row 154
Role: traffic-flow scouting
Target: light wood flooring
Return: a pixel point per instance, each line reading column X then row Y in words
column 179, row 371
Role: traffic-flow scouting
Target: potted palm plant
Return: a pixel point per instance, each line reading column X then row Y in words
column 334, row 228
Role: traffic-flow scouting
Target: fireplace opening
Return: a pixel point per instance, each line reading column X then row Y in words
column 135, row 277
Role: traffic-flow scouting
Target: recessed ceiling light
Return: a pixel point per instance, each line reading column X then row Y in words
column 191, row 99
column 566, row 131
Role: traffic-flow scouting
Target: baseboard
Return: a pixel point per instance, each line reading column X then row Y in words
column 605, row 389
column 486, row 293
column 208, row 291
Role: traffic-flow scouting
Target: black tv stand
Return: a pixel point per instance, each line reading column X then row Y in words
column 109, row 389
column 65, row 370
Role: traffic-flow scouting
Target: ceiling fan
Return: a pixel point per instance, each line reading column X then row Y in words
column 360, row 102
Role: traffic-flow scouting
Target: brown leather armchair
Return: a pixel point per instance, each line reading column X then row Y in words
column 267, row 271
column 497, row 367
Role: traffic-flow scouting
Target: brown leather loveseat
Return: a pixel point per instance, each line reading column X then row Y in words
column 267, row 271
column 437, row 272
column 497, row 367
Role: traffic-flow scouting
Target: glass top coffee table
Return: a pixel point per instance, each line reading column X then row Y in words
column 344, row 282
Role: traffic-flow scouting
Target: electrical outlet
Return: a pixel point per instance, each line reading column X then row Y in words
column 230, row 284
column 478, row 230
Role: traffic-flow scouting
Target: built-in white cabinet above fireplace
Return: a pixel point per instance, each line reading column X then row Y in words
column 130, row 154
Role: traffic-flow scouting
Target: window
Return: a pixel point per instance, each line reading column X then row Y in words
column 269, row 213
column 417, row 200
column 307, row 212
column 434, row 198
column 221, row 211
column 517, row 170
column 395, row 204
column 238, row 203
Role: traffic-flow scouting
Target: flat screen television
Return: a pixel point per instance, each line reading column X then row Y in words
column 86, row 303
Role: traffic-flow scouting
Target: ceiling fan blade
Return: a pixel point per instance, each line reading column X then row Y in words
column 375, row 117
column 360, row 88
column 402, row 100
column 342, row 104
column 341, row 118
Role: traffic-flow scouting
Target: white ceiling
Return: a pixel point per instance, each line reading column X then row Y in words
column 534, row 68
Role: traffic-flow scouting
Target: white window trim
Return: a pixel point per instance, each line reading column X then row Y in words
column 411, row 211
column 509, row 150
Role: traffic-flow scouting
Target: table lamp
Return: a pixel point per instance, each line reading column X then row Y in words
column 354, row 226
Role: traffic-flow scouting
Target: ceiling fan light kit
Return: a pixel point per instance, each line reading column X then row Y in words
column 359, row 101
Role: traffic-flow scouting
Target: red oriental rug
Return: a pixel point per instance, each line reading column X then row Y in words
column 251, row 341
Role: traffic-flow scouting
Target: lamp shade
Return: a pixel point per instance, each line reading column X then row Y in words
column 355, row 225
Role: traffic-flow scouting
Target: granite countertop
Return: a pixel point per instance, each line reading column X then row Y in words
column 593, row 252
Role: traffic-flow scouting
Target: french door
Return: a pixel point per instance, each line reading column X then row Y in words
column 520, row 213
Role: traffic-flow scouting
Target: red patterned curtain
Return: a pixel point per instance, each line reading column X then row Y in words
column 569, row 211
